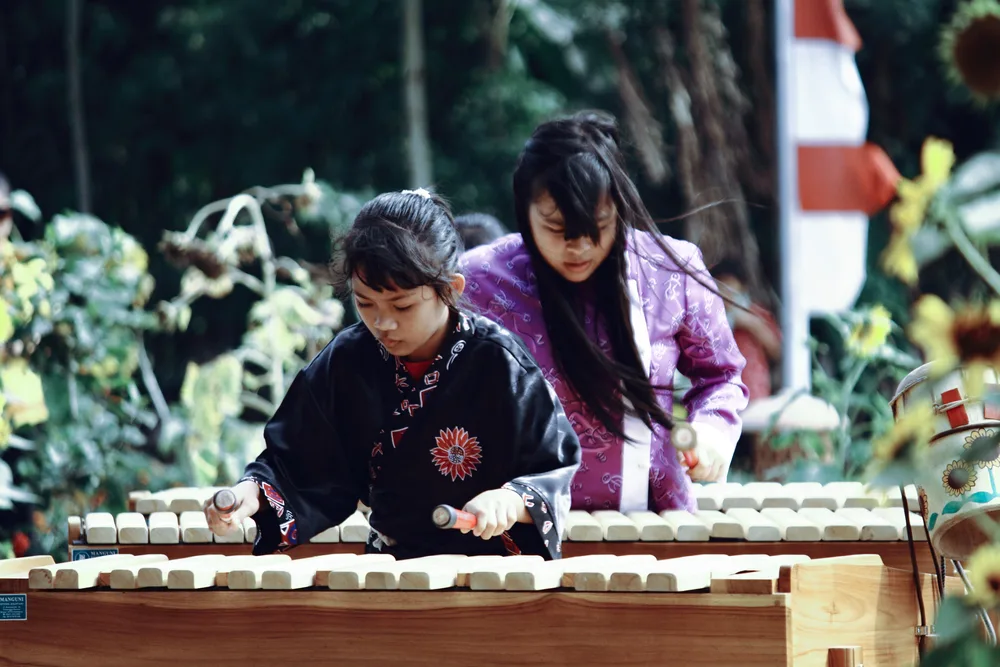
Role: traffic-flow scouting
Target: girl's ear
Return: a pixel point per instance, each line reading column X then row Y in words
column 458, row 284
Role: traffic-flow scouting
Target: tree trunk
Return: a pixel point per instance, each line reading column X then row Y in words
column 642, row 125
column 415, row 85
column 712, row 149
column 81, row 160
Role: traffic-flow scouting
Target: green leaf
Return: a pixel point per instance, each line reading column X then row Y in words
column 955, row 620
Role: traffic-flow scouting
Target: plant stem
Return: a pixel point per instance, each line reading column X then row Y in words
column 255, row 402
column 847, row 390
column 152, row 386
column 979, row 264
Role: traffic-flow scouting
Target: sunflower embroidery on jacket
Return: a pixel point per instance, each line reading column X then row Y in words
column 455, row 453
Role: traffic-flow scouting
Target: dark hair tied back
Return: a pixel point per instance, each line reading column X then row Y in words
column 400, row 240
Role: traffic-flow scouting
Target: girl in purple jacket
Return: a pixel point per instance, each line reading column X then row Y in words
column 611, row 309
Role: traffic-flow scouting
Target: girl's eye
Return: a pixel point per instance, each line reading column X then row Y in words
column 363, row 305
column 403, row 308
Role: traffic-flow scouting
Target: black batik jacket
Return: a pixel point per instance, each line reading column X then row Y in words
column 355, row 426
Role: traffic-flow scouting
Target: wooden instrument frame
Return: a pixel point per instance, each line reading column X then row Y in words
column 793, row 621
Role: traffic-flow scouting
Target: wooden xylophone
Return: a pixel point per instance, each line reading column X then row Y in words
column 748, row 610
column 840, row 518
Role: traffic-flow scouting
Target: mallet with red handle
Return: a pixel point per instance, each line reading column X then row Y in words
column 225, row 503
column 684, row 439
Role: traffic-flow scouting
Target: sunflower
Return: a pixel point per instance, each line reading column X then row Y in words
column 984, row 575
column 969, row 49
column 912, row 431
column 968, row 336
column 992, row 457
column 871, row 333
column 958, row 478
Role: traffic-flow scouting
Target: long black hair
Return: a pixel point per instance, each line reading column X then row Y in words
column 578, row 160
column 400, row 239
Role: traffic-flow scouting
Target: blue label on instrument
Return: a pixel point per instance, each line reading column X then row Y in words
column 84, row 554
column 14, row 607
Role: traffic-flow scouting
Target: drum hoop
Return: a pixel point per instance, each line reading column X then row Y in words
column 986, row 423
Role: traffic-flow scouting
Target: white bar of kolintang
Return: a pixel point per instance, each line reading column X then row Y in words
column 633, row 577
column 132, row 528
column 387, row 578
column 155, row 576
column 652, row 527
column 594, row 576
column 100, row 528
column 85, row 573
column 301, row 573
column 198, row 576
column 355, row 529
column 44, row 577
column 534, row 576
column 352, row 577
column 164, row 528
column 616, row 527
column 491, row 576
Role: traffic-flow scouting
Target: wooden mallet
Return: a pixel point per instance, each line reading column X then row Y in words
column 446, row 516
column 225, row 503
column 684, row 439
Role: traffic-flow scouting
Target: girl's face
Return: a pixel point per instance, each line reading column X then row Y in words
column 574, row 260
column 410, row 323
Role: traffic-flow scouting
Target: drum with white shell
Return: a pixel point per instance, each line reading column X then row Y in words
column 956, row 496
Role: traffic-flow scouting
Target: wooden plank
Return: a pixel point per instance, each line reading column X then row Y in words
column 396, row 628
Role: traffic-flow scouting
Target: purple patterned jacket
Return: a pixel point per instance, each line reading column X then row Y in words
column 679, row 326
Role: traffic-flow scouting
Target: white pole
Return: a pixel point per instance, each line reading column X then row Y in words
column 796, row 359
